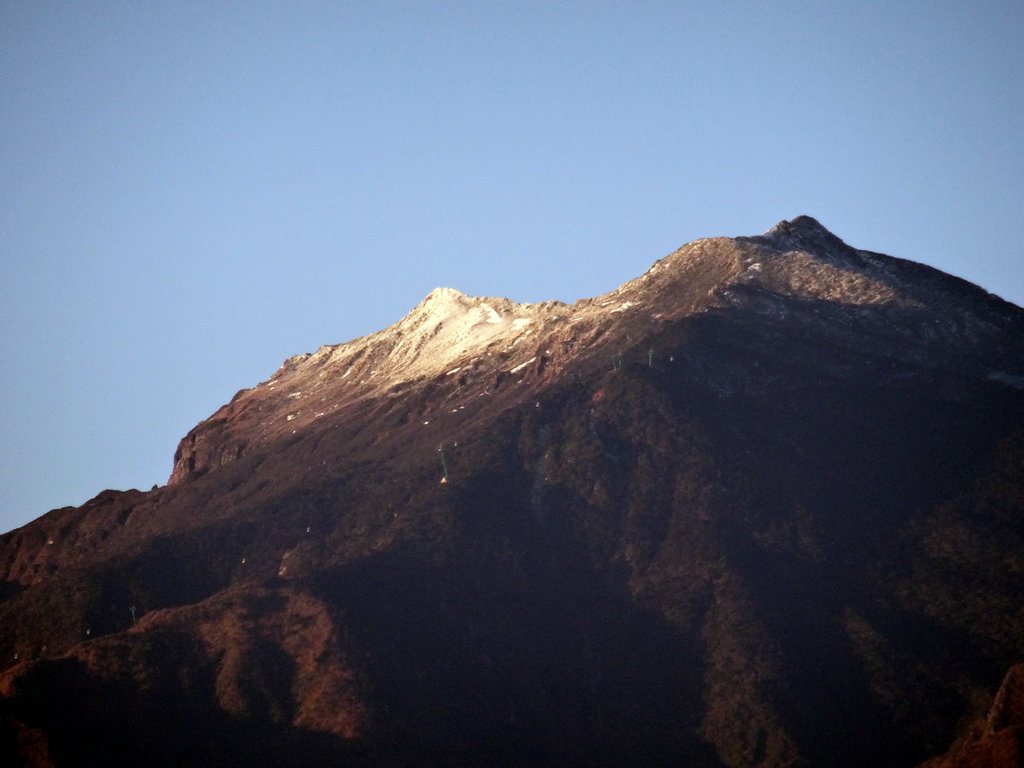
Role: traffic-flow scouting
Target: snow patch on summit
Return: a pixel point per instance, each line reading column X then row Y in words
column 445, row 334
column 492, row 315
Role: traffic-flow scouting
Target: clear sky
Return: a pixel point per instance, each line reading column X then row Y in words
column 190, row 192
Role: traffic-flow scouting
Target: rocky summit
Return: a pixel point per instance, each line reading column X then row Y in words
column 762, row 505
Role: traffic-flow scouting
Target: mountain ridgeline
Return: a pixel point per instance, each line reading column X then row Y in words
column 761, row 506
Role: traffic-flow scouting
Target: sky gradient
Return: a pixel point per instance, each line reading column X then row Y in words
column 192, row 192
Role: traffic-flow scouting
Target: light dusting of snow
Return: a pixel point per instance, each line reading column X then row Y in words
column 492, row 315
column 522, row 365
column 801, row 274
column 450, row 332
column 438, row 337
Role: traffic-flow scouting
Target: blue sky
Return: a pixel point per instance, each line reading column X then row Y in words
column 192, row 192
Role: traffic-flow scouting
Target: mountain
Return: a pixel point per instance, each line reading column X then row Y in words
column 761, row 506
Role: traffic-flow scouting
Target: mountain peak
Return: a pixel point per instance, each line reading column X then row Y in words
column 802, row 223
column 802, row 226
column 443, row 295
column 803, row 233
column 490, row 340
column 592, row 519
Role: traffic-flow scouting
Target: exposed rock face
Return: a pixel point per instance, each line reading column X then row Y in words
column 1008, row 708
column 998, row 741
column 761, row 506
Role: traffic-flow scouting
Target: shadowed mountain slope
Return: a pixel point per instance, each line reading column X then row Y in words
column 761, row 506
